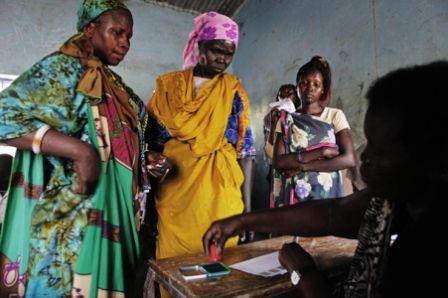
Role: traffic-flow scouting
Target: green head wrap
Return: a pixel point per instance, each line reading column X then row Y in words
column 91, row 9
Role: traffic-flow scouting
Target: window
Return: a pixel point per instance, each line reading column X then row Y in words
column 5, row 81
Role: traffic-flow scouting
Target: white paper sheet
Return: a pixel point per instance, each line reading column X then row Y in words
column 285, row 104
column 265, row 265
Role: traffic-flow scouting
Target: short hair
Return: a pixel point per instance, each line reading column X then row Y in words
column 416, row 96
column 286, row 86
column 320, row 64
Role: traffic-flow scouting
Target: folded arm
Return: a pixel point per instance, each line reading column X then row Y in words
column 319, row 160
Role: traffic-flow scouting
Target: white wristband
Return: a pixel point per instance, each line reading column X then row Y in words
column 39, row 135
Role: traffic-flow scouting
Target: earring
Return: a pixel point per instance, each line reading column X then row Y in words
column 202, row 59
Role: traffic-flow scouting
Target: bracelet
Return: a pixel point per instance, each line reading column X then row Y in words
column 38, row 136
column 299, row 157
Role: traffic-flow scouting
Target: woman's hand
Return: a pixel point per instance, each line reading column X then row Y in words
column 324, row 152
column 219, row 231
column 86, row 162
column 293, row 257
column 329, row 152
column 157, row 165
column 87, row 167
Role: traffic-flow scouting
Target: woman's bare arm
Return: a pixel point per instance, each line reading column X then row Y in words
column 85, row 159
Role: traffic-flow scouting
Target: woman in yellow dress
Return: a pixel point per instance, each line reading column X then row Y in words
column 203, row 117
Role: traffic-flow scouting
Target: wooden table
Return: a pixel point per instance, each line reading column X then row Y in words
column 332, row 254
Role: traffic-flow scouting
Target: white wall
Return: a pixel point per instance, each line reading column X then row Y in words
column 31, row 29
column 362, row 39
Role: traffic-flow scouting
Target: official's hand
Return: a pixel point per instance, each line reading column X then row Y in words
column 293, row 256
column 87, row 168
column 218, row 233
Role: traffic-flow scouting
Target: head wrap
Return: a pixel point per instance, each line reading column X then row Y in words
column 91, row 9
column 208, row 26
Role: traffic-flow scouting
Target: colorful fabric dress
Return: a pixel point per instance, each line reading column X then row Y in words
column 302, row 132
column 55, row 243
column 204, row 131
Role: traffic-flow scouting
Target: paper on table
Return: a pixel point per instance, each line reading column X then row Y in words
column 265, row 265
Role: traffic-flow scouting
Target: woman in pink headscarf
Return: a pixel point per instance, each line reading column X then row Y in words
column 203, row 114
column 209, row 26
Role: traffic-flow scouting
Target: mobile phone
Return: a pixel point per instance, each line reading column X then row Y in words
column 201, row 271
column 193, row 272
column 215, row 269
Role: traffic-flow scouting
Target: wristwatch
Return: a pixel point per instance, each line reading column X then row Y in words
column 296, row 275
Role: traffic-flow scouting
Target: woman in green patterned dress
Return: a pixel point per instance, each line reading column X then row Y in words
column 78, row 177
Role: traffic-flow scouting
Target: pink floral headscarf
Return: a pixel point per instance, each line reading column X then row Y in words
column 208, row 26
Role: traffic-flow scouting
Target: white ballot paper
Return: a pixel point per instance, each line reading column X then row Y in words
column 284, row 104
column 265, row 265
